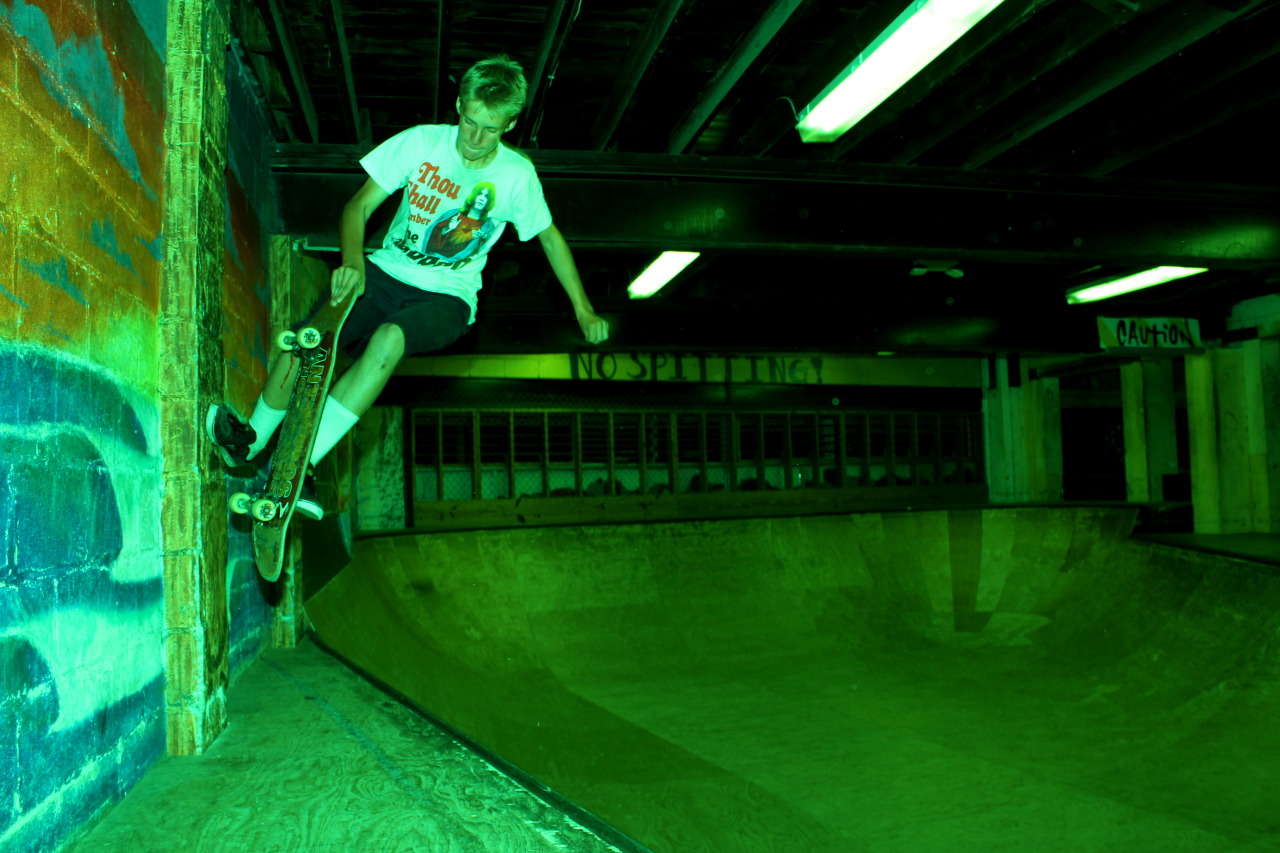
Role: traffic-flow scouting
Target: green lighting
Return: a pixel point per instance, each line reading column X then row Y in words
column 1129, row 283
column 667, row 266
column 916, row 38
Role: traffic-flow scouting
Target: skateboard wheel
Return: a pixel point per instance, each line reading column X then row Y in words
column 309, row 338
column 287, row 340
column 264, row 509
column 240, row 503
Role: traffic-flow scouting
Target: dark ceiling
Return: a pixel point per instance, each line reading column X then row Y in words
column 1058, row 141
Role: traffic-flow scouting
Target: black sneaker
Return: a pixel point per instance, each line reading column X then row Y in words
column 308, row 504
column 231, row 436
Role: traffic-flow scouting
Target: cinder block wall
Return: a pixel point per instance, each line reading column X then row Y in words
column 82, row 603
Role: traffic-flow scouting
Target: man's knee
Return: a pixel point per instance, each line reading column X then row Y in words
column 387, row 344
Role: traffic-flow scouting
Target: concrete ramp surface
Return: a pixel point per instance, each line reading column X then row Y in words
column 975, row 680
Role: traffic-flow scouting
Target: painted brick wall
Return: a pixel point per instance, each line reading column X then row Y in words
column 81, row 597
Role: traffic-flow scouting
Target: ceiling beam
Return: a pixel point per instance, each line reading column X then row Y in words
column 1152, row 39
column 1187, row 91
column 722, row 82
column 638, row 60
column 878, row 221
column 912, row 222
column 287, row 55
column 548, row 57
column 357, row 128
column 1211, row 111
column 1060, row 33
column 320, row 161
column 444, row 38
column 785, row 325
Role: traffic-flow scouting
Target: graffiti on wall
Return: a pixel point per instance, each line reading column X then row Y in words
column 81, row 592
column 81, row 589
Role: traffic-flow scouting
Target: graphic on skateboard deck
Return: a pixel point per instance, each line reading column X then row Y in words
column 315, row 345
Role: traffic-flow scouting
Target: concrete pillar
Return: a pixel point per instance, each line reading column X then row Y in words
column 1234, row 423
column 1150, row 428
column 1023, row 424
column 194, row 510
column 1262, row 410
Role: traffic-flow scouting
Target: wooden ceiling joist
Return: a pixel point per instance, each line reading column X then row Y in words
column 1147, row 41
column 1061, row 34
column 1188, row 86
column 555, row 31
column 713, row 94
column 357, row 129
column 641, row 55
column 1258, row 94
column 286, row 54
column 444, row 37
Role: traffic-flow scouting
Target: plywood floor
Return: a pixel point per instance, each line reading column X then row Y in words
column 950, row 681
column 316, row 759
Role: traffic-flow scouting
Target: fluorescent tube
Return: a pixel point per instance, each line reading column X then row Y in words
column 1127, row 284
column 667, row 266
column 916, row 38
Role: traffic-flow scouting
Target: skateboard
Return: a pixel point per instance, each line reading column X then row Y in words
column 315, row 345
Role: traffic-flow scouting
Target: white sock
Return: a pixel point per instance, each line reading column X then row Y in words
column 335, row 421
column 264, row 420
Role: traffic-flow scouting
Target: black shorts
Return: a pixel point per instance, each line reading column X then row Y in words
column 430, row 321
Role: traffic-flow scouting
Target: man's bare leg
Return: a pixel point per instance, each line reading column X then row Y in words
column 280, row 381
column 364, row 380
column 355, row 391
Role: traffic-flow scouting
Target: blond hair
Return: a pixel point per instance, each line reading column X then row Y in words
column 498, row 83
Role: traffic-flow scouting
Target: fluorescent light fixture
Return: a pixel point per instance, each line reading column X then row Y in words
column 916, row 38
column 1127, row 284
column 667, row 266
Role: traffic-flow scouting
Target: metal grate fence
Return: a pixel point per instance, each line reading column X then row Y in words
column 473, row 455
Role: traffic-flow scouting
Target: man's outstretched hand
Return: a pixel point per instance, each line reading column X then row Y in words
column 594, row 328
column 344, row 280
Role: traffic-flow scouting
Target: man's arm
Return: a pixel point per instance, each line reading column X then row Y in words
column 595, row 329
column 355, row 215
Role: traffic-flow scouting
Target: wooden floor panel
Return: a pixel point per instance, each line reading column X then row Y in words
column 317, row 759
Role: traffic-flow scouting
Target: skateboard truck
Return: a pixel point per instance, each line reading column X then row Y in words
column 263, row 509
column 304, row 338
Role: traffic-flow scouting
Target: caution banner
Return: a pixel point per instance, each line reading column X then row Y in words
column 1148, row 333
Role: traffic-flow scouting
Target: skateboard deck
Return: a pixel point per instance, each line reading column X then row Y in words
column 315, row 345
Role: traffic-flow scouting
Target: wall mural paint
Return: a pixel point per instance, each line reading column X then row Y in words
column 81, row 593
column 78, row 74
column 82, row 91
column 84, row 268
column 81, row 557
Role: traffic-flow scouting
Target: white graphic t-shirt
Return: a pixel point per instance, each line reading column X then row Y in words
column 450, row 215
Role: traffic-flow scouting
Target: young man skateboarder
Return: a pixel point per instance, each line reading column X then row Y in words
column 418, row 293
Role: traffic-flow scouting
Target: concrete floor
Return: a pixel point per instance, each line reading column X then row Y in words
column 317, row 759
column 980, row 680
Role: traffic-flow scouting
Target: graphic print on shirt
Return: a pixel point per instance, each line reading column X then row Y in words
column 456, row 236
column 463, row 231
